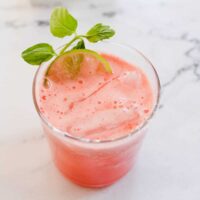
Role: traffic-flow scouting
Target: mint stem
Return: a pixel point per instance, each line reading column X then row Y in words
column 69, row 43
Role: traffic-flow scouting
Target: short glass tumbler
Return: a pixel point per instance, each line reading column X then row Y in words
column 98, row 163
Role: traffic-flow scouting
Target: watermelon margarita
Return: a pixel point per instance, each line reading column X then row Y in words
column 95, row 120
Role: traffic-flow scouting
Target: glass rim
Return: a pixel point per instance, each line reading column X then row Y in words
column 91, row 141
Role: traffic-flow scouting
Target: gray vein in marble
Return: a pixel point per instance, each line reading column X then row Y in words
column 194, row 67
column 109, row 14
column 193, row 54
column 176, row 75
column 196, row 71
column 160, row 106
column 183, row 37
column 42, row 22
column 15, row 24
column 92, row 6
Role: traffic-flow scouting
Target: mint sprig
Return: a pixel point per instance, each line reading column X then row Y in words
column 63, row 24
column 99, row 32
column 38, row 53
column 80, row 45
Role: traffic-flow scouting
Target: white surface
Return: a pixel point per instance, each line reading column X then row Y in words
column 168, row 167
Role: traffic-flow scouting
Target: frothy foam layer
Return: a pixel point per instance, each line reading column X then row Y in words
column 98, row 105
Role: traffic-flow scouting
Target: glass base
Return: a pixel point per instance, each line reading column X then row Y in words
column 87, row 185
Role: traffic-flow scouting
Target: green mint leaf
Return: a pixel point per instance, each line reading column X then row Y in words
column 99, row 32
column 79, row 45
column 62, row 23
column 38, row 53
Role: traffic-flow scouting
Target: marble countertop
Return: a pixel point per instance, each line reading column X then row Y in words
column 168, row 167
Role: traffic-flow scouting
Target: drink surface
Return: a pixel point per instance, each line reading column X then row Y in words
column 95, row 104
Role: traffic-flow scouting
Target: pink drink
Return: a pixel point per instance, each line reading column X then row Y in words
column 92, row 113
